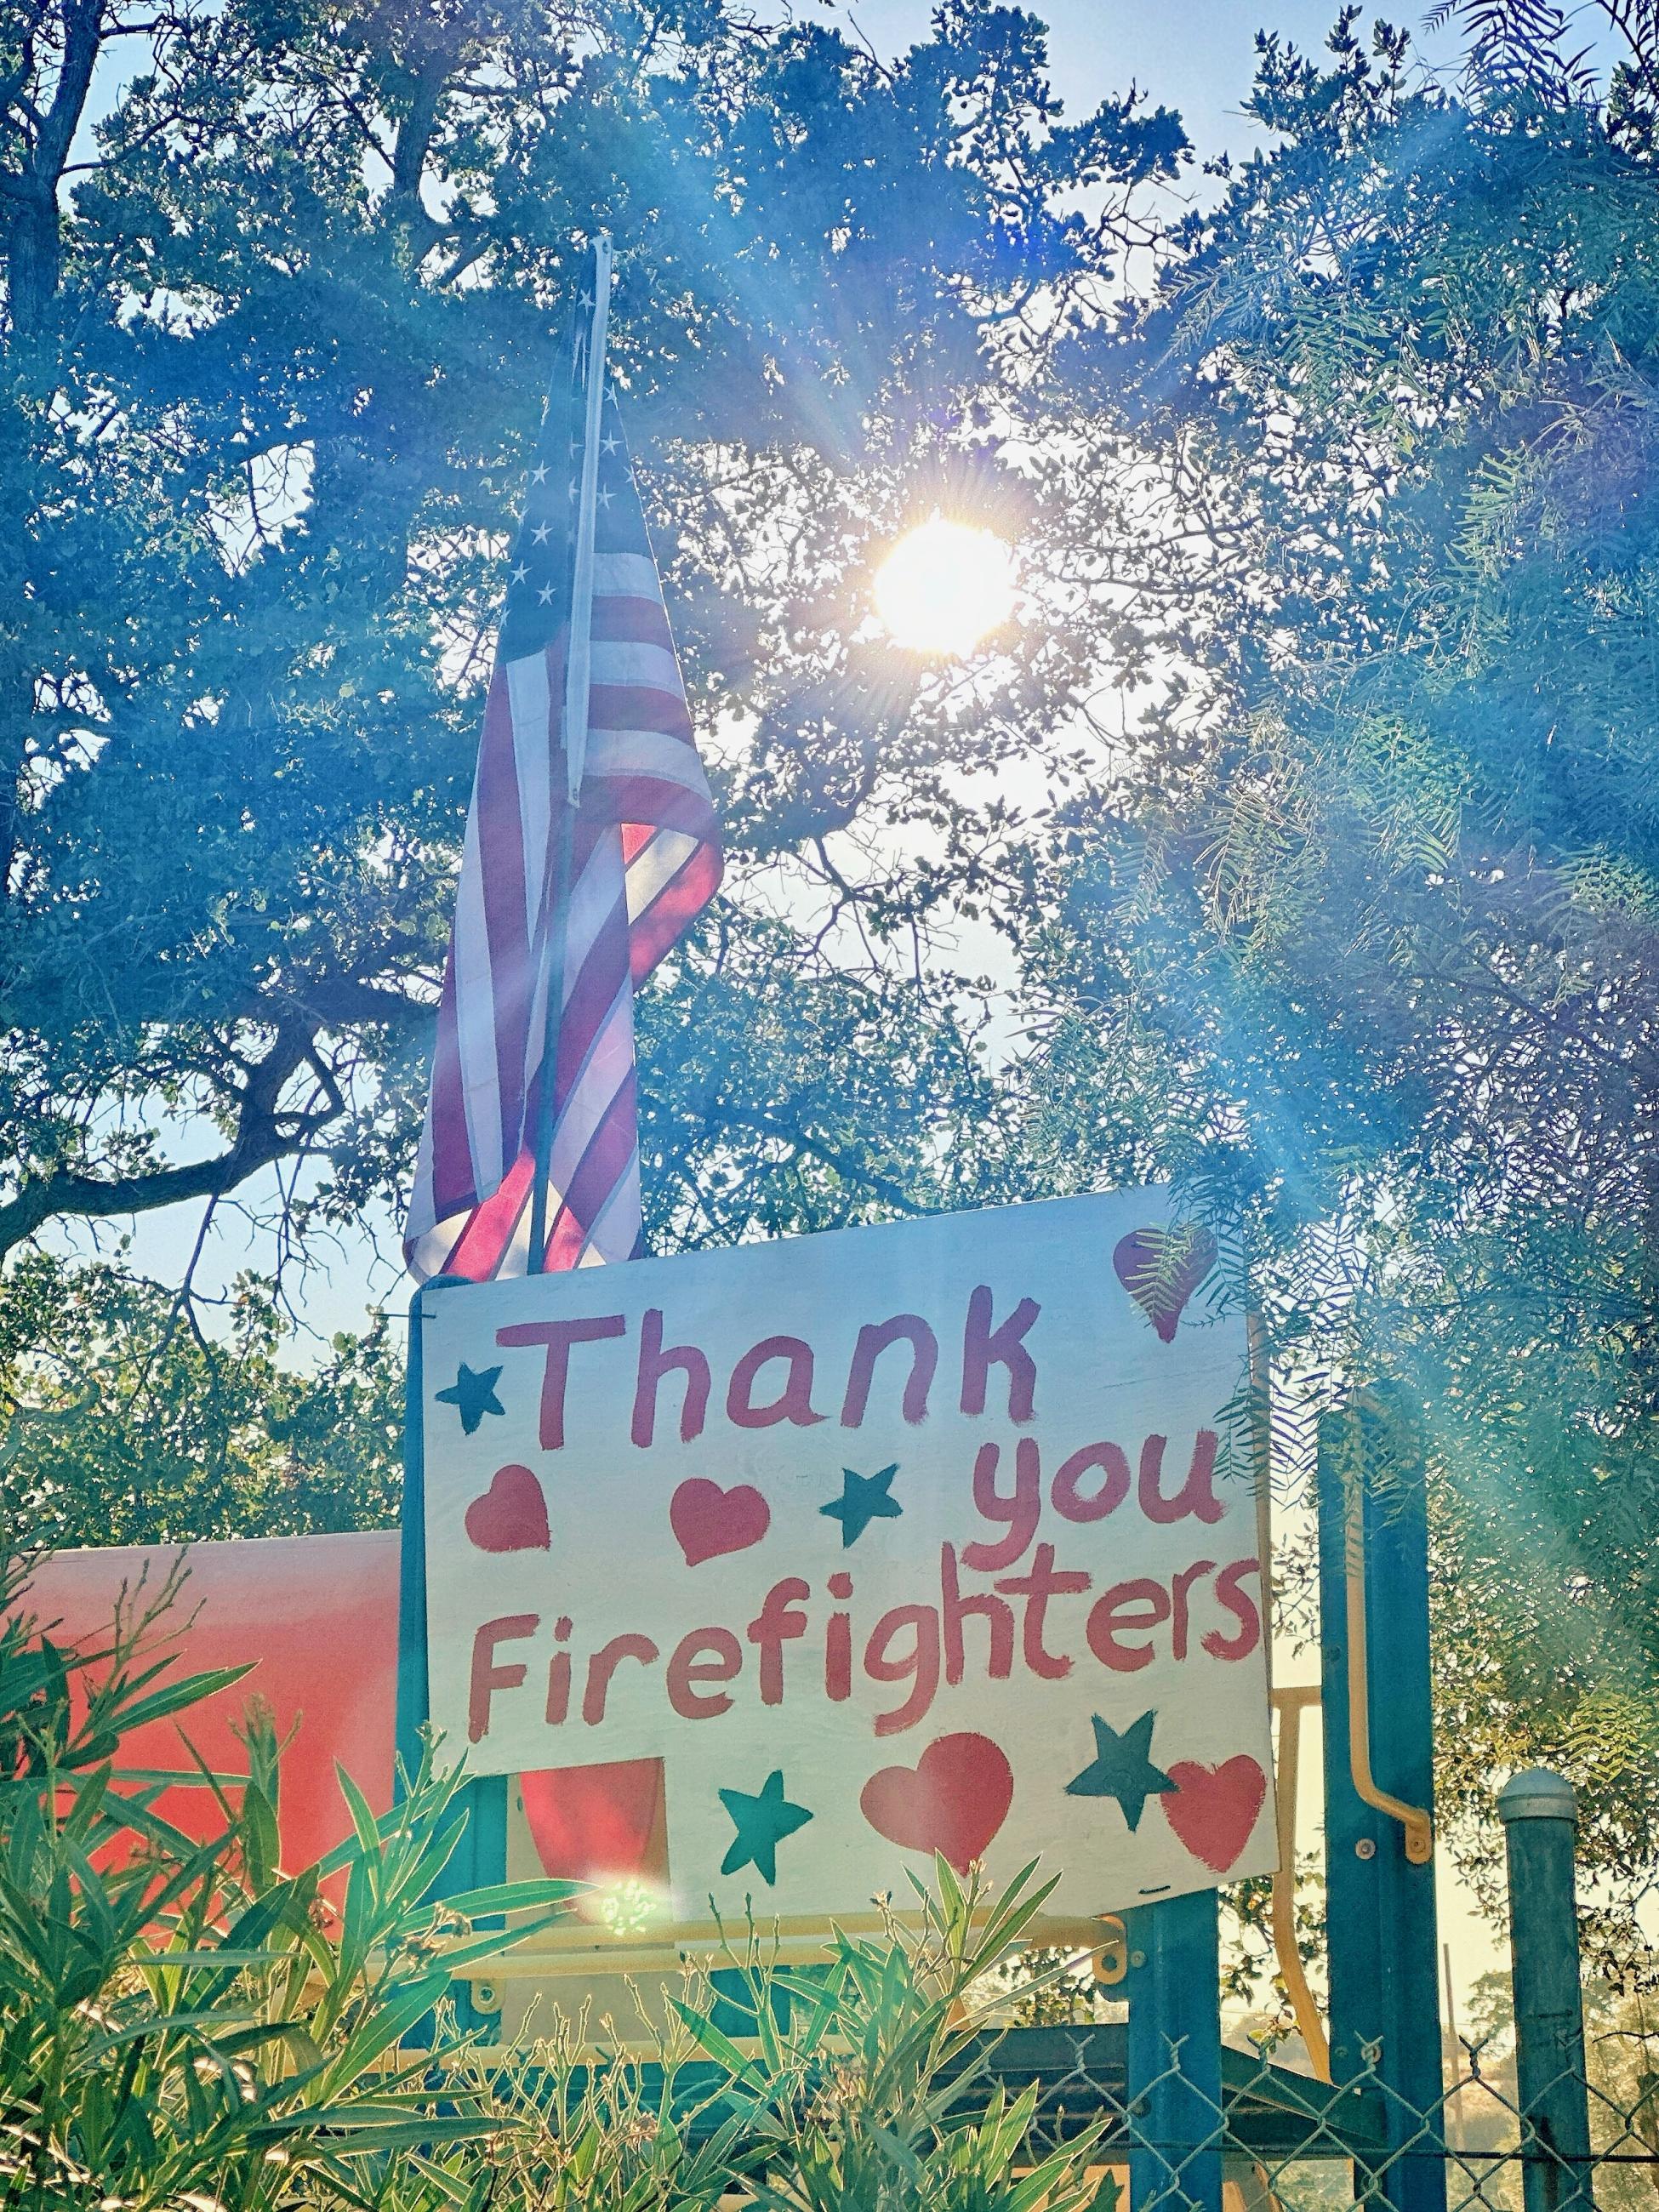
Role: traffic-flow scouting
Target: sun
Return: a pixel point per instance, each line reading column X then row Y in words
column 944, row 586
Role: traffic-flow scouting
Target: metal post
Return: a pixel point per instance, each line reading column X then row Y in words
column 1539, row 1814
column 1385, row 1998
column 481, row 1855
column 1174, row 1991
column 577, row 661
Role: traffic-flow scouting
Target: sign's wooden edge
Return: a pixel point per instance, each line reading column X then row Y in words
column 588, row 1950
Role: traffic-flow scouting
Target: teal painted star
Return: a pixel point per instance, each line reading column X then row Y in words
column 863, row 1499
column 1122, row 1768
column 473, row 1396
column 761, row 1823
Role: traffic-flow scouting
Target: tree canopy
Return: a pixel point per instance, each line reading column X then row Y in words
column 276, row 329
column 1310, row 797
column 1367, row 920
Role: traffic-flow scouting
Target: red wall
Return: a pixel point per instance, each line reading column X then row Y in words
column 319, row 1617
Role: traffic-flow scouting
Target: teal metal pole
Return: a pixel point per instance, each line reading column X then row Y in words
column 413, row 1700
column 480, row 1855
column 1539, row 1814
column 1174, row 1992
column 1380, row 1908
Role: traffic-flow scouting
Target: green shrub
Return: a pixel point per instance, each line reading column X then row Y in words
column 864, row 2085
column 183, row 2024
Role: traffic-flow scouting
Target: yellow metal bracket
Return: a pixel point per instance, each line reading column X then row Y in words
column 1110, row 1957
column 1290, row 1703
column 1417, row 1824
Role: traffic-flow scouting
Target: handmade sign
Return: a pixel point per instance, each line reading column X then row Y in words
column 932, row 1536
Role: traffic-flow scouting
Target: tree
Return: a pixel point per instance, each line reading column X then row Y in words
column 275, row 329
column 146, row 1427
column 1314, row 796
column 1360, row 941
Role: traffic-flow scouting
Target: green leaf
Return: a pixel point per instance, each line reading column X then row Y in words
column 505, row 1897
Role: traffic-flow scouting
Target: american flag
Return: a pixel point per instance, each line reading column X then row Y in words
column 644, row 861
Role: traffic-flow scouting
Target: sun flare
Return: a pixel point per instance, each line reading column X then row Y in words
column 944, row 586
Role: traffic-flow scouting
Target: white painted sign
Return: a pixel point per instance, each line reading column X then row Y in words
column 896, row 1539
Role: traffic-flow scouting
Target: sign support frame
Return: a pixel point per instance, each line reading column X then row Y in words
column 480, row 1857
column 1380, row 1900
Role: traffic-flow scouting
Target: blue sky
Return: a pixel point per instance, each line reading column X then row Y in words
column 1197, row 56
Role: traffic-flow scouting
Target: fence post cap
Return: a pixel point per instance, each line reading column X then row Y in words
column 1537, row 1793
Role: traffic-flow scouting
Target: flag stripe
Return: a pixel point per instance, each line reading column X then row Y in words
column 531, row 694
column 638, row 706
column 632, row 621
column 652, row 753
column 475, row 1079
column 625, row 575
column 629, row 663
column 611, row 1144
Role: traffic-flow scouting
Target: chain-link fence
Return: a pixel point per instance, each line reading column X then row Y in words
column 911, row 2037
column 1275, row 2136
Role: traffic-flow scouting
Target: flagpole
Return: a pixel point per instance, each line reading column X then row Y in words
column 567, row 789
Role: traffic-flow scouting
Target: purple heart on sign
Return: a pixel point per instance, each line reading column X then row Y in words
column 1161, row 1268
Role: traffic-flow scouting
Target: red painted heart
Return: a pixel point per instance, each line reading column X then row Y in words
column 1161, row 1268
column 952, row 1800
column 709, row 1521
column 1213, row 1808
column 511, row 1515
column 598, row 1824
